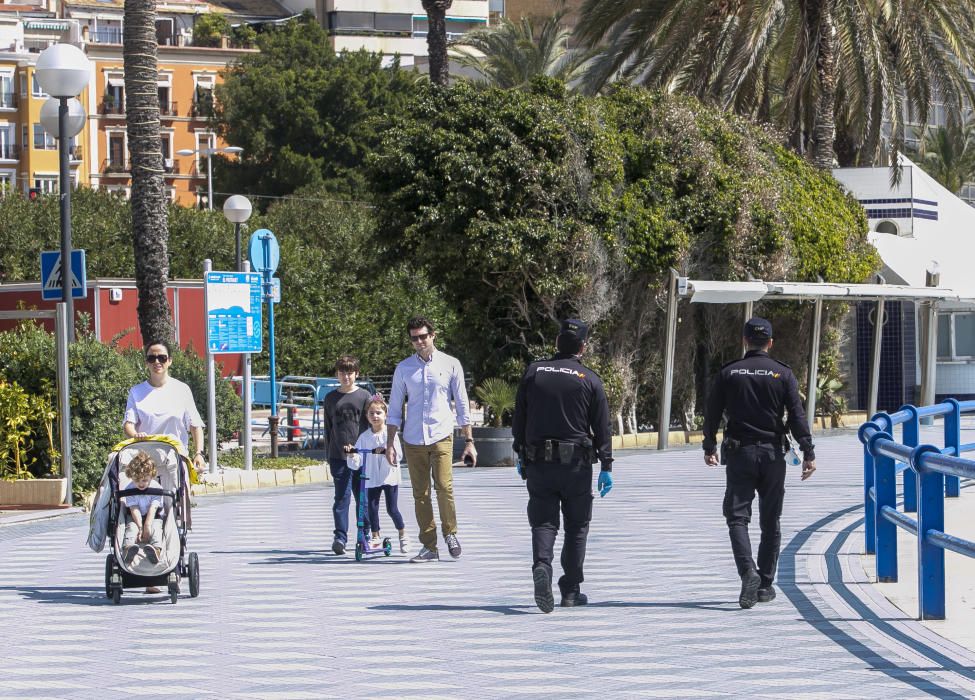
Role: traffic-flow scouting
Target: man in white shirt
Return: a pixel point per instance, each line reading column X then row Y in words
column 426, row 382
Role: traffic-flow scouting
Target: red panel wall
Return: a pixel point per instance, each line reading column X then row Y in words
column 117, row 316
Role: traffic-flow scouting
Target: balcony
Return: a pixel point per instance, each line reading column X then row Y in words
column 168, row 109
column 110, row 108
column 75, row 154
column 202, row 109
column 8, row 100
column 112, row 166
column 9, row 151
column 171, row 166
column 112, row 35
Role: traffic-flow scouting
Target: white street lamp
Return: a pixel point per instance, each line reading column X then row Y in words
column 63, row 71
column 237, row 209
column 208, row 152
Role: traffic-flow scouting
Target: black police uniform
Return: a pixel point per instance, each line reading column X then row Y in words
column 560, row 428
column 754, row 391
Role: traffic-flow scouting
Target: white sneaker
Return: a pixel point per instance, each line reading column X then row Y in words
column 376, row 542
column 404, row 544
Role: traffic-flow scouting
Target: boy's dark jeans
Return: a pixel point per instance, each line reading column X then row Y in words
column 346, row 483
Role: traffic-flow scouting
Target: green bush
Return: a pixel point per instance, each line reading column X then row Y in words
column 100, row 379
column 25, row 427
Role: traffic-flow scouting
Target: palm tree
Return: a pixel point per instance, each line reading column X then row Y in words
column 948, row 154
column 437, row 39
column 510, row 54
column 803, row 64
column 150, row 228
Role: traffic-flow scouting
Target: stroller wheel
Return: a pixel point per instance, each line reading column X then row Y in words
column 194, row 574
column 109, row 567
column 117, row 595
column 358, row 551
column 173, row 588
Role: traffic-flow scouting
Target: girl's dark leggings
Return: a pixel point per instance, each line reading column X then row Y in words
column 392, row 493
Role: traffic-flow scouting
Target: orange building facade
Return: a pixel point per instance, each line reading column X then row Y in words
column 187, row 78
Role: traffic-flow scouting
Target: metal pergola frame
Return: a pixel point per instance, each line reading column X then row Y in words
column 748, row 292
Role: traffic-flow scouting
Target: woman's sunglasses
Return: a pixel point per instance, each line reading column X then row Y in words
column 157, row 358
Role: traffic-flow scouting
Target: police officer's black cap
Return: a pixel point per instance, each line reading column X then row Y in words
column 757, row 330
column 574, row 328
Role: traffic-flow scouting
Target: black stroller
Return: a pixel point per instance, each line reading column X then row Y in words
column 172, row 564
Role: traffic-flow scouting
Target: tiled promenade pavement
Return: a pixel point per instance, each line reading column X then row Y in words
column 280, row 617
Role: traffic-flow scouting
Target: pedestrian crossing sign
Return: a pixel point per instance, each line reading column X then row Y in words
column 51, row 275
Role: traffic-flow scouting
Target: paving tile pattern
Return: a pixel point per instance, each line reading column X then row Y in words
column 279, row 616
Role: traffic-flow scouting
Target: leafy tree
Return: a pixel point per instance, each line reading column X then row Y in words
column 803, row 65
column 208, row 28
column 510, row 54
column 150, row 232
column 948, row 154
column 304, row 115
column 574, row 205
column 337, row 295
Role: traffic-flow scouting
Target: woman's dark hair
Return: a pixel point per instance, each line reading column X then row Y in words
column 418, row 322
column 145, row 349
column 347, row 363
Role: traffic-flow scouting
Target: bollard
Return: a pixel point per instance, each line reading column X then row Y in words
column 272, row 425
column 911, row 437
column 291, row 415
column 953, row 439
column 885, row 480
column 930, row 557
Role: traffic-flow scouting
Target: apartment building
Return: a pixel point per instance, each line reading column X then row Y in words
column 99, row 157
column 390, row 27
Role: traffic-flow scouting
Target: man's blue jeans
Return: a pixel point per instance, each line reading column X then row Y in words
column 346, row 483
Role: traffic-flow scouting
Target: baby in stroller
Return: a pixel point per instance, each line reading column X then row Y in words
column 143, row 531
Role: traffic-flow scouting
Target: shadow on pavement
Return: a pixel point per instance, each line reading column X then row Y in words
column 82, row 595
column 530, row 609
column 826, row 626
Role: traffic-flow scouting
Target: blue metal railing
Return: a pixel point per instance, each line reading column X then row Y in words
column 930, row 474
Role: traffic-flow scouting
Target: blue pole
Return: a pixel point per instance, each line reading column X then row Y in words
column 953, row 439
column 266, row 249
column 869, row 511
column 930, row 557
column 911, row 437
column 886, row 487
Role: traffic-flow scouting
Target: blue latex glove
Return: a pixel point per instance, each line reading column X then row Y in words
column 605, row 483
column 519, row 468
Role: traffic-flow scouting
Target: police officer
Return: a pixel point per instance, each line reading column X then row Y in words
column 753, row 392
column 561, row 428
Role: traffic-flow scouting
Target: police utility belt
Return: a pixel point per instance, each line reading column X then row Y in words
column 730, row 444
column 559, row 452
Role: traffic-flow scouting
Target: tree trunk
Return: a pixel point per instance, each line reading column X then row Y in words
column 150, row 227
column 437, row 39
column 822, row 154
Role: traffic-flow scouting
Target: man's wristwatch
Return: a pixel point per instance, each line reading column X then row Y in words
column 199, row 453
column 468, row 439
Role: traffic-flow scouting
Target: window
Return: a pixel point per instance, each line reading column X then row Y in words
column 35, row 87
column 956, row 335
column 8, row 135
column 116, row 152
column 47, row 185
column 43, row 141
column 6, row 181
column 7, row 95
column 23, row 85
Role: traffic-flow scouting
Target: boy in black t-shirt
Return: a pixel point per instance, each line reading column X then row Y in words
column 344, row 418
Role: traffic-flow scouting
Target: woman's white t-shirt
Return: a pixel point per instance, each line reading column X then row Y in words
column 378, row 470
column 165, row 410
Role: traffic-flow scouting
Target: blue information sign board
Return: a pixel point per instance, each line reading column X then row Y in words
column 234, row 302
